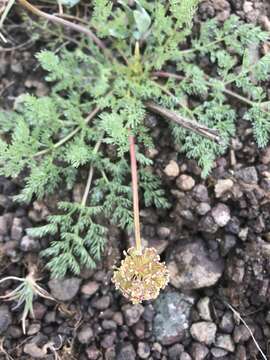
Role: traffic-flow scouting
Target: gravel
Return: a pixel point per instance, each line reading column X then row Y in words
column 64, row 289
column 5, row 318
column 204, row 332
column 132, row 313
column 221, row 214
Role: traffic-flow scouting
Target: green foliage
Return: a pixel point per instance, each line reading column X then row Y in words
column 52, row 139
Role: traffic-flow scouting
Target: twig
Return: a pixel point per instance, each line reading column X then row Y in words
column 69, row 24
column 70, row 135
column 90, row 176
column 192, row 125
column 236, row 313
column 135, row 194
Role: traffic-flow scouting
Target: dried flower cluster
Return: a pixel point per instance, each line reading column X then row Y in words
column 141, row 276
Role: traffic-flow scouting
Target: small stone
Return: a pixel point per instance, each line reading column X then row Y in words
column 199, row 351
column 132, row 313
column 102, row 303
column 175, row 350
column 223, row 186
column 227, row 244
column 127, row 352
column 139, row 329
column 227, row 323
column 191, row 268
column 64, row 289
column 200, row 193
column 33, row 329
column 225, row 342
column 248, row 6
column 249, row 175
column 34, row 351
column 185, row 356
column 203, row 307
column 221, row 214
column 266, row 153
column 241, row 334
column 207, row 224
column 172, row 317
column 16, row 229
column 118, row 318
column 172, row 169
column 29, row 244
column 204, row 332
column 203, row 208
column 109, row 325
column 85, row 335
column 93, row 353
column 108, row 340
column 3, row 225
column 143, row 350
column 218, row 353
column 15, row 332
column 39, row 310
column 90, row 288
column 185, row 182
column 5, row 318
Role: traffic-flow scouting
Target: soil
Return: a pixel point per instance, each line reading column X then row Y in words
column 215, row 240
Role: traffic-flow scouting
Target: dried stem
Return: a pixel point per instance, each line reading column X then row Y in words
column 69, row 24
column 135, row 193
column 192, row 125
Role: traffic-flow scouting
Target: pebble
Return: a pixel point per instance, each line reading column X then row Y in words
column 33, row 329
column 190, row 267
column 109, row 325
column 221, row 214
column 175, row 350
column 34, row 351
column 132, row 313
column 127, row 352
column 93, row 353
column 207, row 224
column 218, row 353
column 118, row 318
column 108, row 340
column 3, row 225
column 185, row 356
column 203, row 307
column 199, row 351
column 29, row 244
column 249, row 175
column 172, row 169
column 85, row 334
column 241, row 334
column 143, row 350
column 172, row 317
column 200, row 193
column 204, row 332
column 102, row 303
column 16, row 229
column 227, row 323
column 203, row 208
column 248, row 6
column 223, row 186
column 90, row 288
column 185, row 182
column 225, row 342
column 5, row 318
column 64, row 289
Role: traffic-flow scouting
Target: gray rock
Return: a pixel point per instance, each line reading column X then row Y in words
column 218, row 353
column 227, row 323
column 199, row 351
column 85, row 334
column 203, row 208
column 227, row 244
column 204, row 332
column 5, row 318
column 132, row 313
column 172, row 169
column 3, row 225
column 185, row 182
column 249, row 175
column 102, row 303
column 16, row 229
column 221, row 214
column 108, row 340
column 126, row 352
column 185, row 356
column 241, row 334
column 34, row 351
column 172, row 318
column 90, row 288
column 93, row 353
column 143, row 350
column 203, row 307
column 64, row 289
column 207, row 224
column 29, row 244
column 109, row 325
column 200, row 193
column 174, row 351
column 191, row 268
column 223, row 186
column 225, row 342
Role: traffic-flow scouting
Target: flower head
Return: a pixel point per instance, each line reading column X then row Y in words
column 141, row 276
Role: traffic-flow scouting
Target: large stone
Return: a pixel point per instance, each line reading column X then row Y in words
column 191, row 268
column 172, row 317
column 204, row 332
column 64, row 289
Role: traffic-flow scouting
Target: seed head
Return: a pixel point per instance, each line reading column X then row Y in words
column 141, row 276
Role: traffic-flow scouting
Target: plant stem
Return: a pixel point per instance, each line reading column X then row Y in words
column 135, row 194
column 69, row 136
column 192, row 125
column 69, row 24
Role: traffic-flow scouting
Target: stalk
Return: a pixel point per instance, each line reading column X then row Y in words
column 135, row 194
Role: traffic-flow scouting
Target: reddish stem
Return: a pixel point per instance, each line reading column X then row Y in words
column 135, row 193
